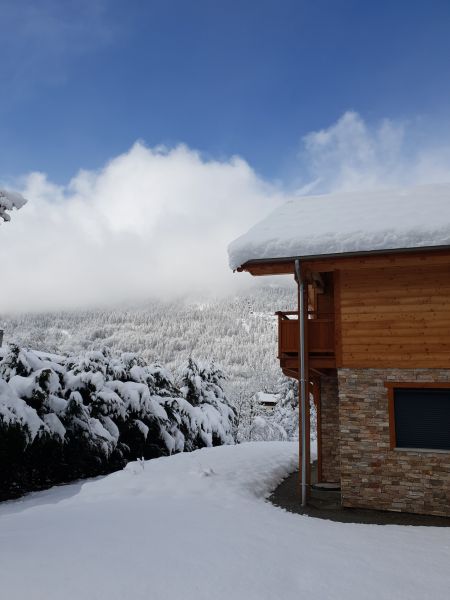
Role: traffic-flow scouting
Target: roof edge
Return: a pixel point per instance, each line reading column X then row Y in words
column 338, row 255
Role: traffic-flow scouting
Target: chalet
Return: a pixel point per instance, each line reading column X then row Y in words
column 369, row 339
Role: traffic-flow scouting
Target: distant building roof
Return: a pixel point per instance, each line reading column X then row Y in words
column 349, row 222
column 266, row 399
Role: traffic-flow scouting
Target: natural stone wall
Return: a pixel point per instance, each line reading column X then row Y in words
column 329, row 423
column 372, row 474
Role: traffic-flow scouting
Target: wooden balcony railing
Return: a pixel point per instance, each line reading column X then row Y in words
column 320, row 339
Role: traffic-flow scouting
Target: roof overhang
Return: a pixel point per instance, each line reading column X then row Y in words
column 349, row 260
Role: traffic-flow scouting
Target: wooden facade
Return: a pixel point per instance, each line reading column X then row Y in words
column 376, row 311
column 395, row 317
column 371, row 319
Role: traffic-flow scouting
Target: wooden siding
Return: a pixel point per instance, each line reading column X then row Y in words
column 394, row 317
column 320, row 333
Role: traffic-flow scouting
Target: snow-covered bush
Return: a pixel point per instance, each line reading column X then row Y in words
column 8, row 201
column 266, row 429
column 67, row 417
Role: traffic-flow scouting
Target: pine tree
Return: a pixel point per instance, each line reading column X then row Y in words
column 88, row 414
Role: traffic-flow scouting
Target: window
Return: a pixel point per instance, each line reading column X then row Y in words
column 419, row 415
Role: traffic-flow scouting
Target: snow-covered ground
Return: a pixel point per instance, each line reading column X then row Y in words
column 196, row 526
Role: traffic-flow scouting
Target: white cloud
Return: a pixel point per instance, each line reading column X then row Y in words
column 351, row 155
column 157, row 222
column 152, row 222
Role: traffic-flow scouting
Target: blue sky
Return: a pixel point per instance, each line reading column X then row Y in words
column 82, row 81
column 119, row 122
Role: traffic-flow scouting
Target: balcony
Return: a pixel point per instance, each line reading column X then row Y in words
column 320, row 341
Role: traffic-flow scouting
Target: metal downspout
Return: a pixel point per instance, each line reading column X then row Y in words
column 301, row 373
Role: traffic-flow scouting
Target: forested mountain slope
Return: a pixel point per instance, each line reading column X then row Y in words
column 238, row 332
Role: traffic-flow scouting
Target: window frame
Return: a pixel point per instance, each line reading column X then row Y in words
column 391, row 386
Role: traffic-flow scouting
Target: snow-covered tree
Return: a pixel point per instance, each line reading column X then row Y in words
column 202, row 387
column 241, row 338
column 8, row 201
column 285, row 413
column 68, row 417
column 247, row 410
column 256, row 423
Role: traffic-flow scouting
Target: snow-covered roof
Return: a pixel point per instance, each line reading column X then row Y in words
column 265, row 398
column 349, row 222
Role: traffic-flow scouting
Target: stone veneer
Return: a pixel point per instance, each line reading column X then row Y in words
column 329, row 428
column 372, row 474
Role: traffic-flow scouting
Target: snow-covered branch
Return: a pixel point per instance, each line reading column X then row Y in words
column 8, row 201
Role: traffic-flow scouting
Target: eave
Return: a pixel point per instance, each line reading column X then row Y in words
column 349, row 260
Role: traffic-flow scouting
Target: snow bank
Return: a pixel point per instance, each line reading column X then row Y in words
column 349, row 222
column 195, row 526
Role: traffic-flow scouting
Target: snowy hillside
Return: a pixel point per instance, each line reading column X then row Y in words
column 195, row 526
column 238, row 332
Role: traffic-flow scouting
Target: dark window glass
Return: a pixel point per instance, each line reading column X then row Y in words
column 422, row 418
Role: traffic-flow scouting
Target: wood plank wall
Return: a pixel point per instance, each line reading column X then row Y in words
column 395, row 317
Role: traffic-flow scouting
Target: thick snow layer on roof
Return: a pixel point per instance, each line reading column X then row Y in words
column 349, row 222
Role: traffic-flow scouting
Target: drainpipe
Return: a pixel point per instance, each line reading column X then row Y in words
column 301, row 372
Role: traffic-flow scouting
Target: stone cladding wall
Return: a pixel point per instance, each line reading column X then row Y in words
column 329, row 417
column 372, row 474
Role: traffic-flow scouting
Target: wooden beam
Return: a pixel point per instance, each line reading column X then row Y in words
column 268, row 268
column 362, row 260
column 382, row 261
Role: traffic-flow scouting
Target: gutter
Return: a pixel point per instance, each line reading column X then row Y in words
column 337, row 255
